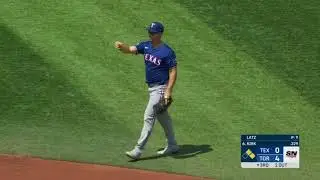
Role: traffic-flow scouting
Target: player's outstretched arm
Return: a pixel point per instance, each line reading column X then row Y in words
column 125, row 48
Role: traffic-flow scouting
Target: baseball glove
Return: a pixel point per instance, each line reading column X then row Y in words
column 164, row 104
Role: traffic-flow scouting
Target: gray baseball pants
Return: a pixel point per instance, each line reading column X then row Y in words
column 156, row 93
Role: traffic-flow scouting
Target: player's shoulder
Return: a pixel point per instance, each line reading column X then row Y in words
column 169, row 49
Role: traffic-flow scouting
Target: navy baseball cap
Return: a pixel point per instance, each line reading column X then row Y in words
column 155, row 27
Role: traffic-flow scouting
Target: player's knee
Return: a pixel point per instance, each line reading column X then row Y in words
column 149, row 116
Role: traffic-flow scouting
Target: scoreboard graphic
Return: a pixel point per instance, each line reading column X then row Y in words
column 270, row 151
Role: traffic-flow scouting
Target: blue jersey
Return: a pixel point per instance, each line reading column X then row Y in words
column 158, row 61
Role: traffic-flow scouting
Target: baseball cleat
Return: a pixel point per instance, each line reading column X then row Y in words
column 134, row 154
column 169, row 150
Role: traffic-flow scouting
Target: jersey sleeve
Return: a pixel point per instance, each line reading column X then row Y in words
column 171, row 59
column 140, row 47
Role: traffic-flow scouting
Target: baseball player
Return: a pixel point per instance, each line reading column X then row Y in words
column 161, row 73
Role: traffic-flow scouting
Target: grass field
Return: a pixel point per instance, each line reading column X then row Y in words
column 244, row 67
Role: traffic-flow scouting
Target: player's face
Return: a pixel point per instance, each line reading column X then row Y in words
column 154, row 36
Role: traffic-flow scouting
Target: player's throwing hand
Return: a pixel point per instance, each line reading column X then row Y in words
column 118, row 44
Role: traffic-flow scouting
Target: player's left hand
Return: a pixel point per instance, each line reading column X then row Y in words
column 167, row 98
column 164, row 104
column 165, row 101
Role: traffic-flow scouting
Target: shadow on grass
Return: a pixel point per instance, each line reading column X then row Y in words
column 186, row 151
column 283, row 37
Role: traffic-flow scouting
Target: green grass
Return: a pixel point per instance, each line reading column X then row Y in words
column 243, row 68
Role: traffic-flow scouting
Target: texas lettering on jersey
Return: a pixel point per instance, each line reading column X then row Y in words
column 158, row 61
column 155, row 60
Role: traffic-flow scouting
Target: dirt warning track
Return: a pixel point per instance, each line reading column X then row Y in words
column 27, row 168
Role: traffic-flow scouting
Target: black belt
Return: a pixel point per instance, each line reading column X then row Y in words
column 155, row 84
